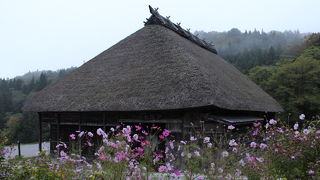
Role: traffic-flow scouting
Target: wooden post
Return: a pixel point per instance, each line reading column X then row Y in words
column 40, row 132
column 58, row 128
column 19, row 149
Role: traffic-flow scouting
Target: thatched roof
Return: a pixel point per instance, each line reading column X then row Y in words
column 155, row 68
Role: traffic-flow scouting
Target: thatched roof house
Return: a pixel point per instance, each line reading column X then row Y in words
column 161, row 70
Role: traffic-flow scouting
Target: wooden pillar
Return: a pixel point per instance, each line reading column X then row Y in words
column 58, row 127
column 104, row 121
column 40, row 132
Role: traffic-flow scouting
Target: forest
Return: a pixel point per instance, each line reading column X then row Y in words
column 284, row 64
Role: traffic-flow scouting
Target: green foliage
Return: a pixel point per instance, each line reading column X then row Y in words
column 13, row 93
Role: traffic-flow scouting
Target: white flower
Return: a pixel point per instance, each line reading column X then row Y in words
column 232, row 142
column 192, row 138
column 81, row 134
column 206, row 140
column 272, row 121
column 306, row 131
column 225, row 154
column 189, row 155
column 267, row 125
column 230, row 127
column 213, row 165
column 296, row 126
column 302, row 116
column 197, row 153
column 220, row 170
column 209, row 145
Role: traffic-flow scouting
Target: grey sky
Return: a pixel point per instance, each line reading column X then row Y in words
column 55, row 34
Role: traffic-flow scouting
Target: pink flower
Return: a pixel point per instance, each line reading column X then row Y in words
column 257, row 124
column 90, row 134
column 311, row 172
column 197, row 153
column 192, row 138
column 63, row 154
column 138, row 128
column 318, row 131
column 166, row 133
column 230, row 127
column 103, row 157
column 272, row 121
column 6, row 151
column 144, row 132
column 161, row 137
column 126, row 130
column 177, row 172
column 183, row 142
column 112, row 129
column 263, row 146
column 154, row 127
column 253, row 144
column 296, row 126
column 72, row 136
column 232, row 142
column 163, row 169
column 81, row 134
column 302, row 116
column 261, row 159
column 139, row 149
column 255, row 132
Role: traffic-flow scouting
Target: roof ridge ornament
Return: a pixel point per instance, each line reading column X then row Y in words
column 156, row 18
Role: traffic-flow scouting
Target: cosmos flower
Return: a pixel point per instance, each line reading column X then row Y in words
column 90, row 134
column 302, row 116
column 230, row 127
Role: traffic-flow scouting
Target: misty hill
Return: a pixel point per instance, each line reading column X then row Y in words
column 251, row 48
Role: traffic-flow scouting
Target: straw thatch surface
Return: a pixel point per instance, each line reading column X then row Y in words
column 153, row 69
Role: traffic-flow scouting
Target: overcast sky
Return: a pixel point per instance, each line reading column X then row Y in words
column 55, row 34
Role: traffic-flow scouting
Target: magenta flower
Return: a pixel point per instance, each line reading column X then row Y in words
column 138, row 128
column 177, row 172
column 166, row 132
column 139, row 149
column 257, row 124
column 302, row 116
column 230, row 127
column 103, row 157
